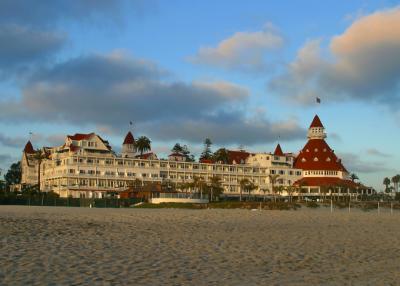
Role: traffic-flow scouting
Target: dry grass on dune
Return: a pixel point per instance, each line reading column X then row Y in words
column 74, row 246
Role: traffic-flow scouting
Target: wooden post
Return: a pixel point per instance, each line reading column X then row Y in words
column 331, row 206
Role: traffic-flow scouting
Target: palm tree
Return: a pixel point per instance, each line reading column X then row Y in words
column 242, row 183
column 272, row 180
column 386, row 182
column 396, row 180
column 198, row 183
column 215, row 187
column 143, row 144
column 247, row 186
column 353, row 177
column 265, row 190
column 39, row 155
column 290, row 190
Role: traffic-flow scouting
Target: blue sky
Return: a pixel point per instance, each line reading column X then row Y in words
column 242, row 73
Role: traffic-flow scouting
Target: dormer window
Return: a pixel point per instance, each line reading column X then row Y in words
column 315, row 159
column 307, row 150
column 303, row 160
column 316, row 150
column 324, row 149
column 328, row 159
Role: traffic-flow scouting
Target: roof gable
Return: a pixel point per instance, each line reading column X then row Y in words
column 316, row 122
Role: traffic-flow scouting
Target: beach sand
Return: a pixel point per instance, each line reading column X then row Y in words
column 78, row 246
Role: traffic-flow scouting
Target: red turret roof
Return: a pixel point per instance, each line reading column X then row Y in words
column 316, row 122
column 317, row 155
column 129, row 139
column 278, row 150
column 29, row 148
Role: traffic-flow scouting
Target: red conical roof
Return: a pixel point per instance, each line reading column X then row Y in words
column 129, row 139
column 278, row 150
column 29, row 148
column 316, row 122
column 317, row 155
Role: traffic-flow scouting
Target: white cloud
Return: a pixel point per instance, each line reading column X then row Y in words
column 362, row 63
column 243, row 51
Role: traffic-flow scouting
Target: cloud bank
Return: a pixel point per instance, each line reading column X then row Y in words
column 363, row 63
column 109, row 90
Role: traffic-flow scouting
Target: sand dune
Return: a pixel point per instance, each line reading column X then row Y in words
column 75, row 246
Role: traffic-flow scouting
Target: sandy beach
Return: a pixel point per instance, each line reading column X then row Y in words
column 82, row 246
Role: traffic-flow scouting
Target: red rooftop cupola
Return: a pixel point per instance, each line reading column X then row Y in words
column 278, row 150
column 29, row 148
column 316, row 130
column 129, row 139
column 316, row 122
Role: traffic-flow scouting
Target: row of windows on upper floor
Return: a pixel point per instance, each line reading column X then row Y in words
column 104, row 182
column 325, row 173
column 129, row 174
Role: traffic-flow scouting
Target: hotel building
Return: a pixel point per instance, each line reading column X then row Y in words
column 86, row 166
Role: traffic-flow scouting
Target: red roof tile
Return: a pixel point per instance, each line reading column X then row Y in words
column 80, row 136
column 324, row 181
column 316, row 122
column 317, row 155
column 29, row 148
column 145, row 156
column 278, row 150
column 129, row 139
column 237, row 157
column 206, row 161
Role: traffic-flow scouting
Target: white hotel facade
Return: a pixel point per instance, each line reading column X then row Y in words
column 86, row 166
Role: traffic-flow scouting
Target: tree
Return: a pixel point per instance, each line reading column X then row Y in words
column 290, row 190
column 39, row 156
column 272, row 180
column 177, row 148
column 353, row 177
column 215, row 189
column 247, row 186
column 143, row 144
column 185, row 151
column 396, row 181
column 386, row 182
column 198, row 184
column 221, row 155
column 265, row 190
column 206, row 154
column 13, row 175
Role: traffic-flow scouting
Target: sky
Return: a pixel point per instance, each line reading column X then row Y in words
column 243, row 73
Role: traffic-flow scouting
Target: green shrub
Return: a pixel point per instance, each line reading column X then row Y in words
column 312, row 205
